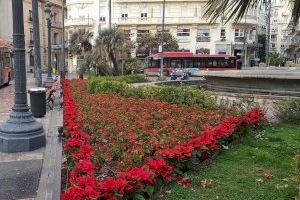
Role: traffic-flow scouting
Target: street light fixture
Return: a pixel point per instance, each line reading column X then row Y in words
column 49, row 81
column 21, row 132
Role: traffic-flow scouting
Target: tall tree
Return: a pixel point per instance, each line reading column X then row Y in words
column 148, row 43
column 80, row 42
column 236, row 9
column 262, row 50
column 112, row 41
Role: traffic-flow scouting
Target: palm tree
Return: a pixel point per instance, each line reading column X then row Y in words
column 80, row 42
column 112, row 40
column 235, row 9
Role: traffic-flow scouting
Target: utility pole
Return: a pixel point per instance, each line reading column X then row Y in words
column 37, row 46
column 245, row 42
column 268, row 20
column 161, row 46
column 109, row 6
column 63, row 73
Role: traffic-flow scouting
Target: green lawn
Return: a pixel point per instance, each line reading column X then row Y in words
column 235, row 173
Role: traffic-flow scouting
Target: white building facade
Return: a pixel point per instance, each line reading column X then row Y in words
column 279, row 28
column 90, row 15
column 184, row 20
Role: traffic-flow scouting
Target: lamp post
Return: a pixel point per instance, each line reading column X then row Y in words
column 63, row 73
column 21, row 132
column 161, row 46
column 49, row 81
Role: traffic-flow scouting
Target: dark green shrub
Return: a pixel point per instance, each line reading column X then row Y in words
column 94, row 81
column 171, row 94
column 288, row 111
column 115, row 87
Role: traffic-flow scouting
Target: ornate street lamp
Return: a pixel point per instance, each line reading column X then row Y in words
column 21, row 132
column 49, row 81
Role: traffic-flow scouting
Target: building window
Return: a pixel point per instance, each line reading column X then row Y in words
column 54, row 17
column 203, row 35
column 140, row 33
column 223, row 33
column 184, row 50
column 124, row 16
column 183, row 32
column 102, row 19
column 239, row 35
column 184, row 11
column 159, row 31
column 273, row 45
column 31, row 37
column 31, row 60
column 183, row 35
column 273, row 37
column 144, row 16
column 55, row 38
column 30, row 15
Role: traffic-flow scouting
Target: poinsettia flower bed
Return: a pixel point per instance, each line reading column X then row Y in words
column 122, row 148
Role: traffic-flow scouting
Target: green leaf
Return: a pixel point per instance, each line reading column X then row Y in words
column 158, row 185
column 138, row 197
column 149, row 190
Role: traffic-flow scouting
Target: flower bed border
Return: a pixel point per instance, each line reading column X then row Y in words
column 144, row 181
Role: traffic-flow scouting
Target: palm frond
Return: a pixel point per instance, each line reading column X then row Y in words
column 236, row 9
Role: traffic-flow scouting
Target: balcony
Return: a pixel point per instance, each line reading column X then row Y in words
column 158, row 20
column 203, row 39
column 72, row 2
column 239, row 39
column 79, row 22
column 249, row 19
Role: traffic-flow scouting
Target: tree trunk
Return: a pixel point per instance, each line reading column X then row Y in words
column 114, row 61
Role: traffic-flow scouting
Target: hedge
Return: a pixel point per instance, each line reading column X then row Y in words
column 170, row 94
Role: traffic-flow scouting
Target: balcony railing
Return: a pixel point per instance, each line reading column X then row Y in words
column 79, row 22
column 70, row 2
column 239, row 39
column 203, row 39
column 158, row 20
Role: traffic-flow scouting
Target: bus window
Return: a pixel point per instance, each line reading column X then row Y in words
column 188, row 64
column 166, row 62
column 153, row 63
column 197, row 63
column 176, row 63
column 232, row 63
column 211, row 63
column 223, row 63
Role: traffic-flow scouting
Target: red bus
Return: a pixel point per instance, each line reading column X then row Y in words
column 5, row 62
column 189, row 63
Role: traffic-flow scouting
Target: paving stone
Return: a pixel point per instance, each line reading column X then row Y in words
column 19, row 179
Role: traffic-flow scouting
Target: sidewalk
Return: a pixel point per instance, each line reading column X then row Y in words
column 25, row 175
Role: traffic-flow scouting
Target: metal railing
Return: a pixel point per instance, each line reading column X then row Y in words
column 79, row 22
